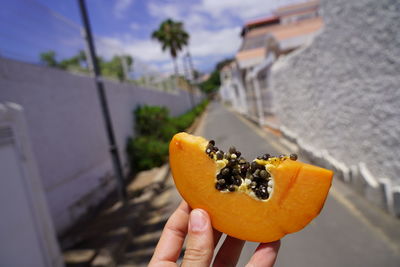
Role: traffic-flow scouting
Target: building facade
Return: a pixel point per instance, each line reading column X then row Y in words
column 244, row 82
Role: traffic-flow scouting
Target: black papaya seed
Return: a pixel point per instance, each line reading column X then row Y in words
column 231, row 188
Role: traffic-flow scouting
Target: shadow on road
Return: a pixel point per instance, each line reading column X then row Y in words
column 124, row 234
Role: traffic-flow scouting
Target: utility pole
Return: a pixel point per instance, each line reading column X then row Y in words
column 103, row 102
column 188, row 78
column 189, row 56
column 87, row 53
column 125, row 68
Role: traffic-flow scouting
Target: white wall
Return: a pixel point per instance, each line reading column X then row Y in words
column 67, row 131
column 26, row 229
column 341, row 93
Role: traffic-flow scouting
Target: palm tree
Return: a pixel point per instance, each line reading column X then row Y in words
column 173, row 37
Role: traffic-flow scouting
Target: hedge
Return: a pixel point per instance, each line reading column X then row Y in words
column 154, row 129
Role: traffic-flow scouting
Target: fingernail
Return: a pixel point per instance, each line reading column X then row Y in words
column 198, row 221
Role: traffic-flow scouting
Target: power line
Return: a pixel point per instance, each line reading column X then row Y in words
column 55, row 14
column 16, row 55
column 44, row 29
column 23, row 28
column 36, row 18
column 20, row 40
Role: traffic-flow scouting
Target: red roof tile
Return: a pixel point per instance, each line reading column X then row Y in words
column 261, row 21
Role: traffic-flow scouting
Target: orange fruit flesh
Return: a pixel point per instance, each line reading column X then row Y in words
column 298, row 195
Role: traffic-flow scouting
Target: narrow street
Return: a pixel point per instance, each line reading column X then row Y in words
column 93, row 92
column 337, row 237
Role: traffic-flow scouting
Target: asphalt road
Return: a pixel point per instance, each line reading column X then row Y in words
column 337, row 237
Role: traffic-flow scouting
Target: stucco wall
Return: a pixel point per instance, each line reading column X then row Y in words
column 67, row 131
column 340, row 94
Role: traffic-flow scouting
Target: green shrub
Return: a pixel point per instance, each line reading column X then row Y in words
column 147, row 152
column 154, row 130
column 184, row 121
column 149, row 120
column 168, row 131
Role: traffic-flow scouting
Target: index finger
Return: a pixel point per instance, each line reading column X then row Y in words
column 170, row 245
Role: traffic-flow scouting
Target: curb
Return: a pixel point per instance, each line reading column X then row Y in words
column 377, row 190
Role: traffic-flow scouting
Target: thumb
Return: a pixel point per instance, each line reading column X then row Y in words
column 200, row 243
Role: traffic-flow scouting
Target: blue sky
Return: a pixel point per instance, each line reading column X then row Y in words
column 124, row 26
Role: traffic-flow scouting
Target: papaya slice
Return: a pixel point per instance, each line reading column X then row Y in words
column 259, row 201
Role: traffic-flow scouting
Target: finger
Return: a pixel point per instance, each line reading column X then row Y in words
column 229, row 253
column 200, row 242
column 265, row 255
column 217, row 235
column 170, row 245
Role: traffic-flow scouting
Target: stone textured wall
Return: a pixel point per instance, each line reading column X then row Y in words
column 67, row 131
column 340, row 94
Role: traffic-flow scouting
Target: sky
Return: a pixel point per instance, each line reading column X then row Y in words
column 29, row 27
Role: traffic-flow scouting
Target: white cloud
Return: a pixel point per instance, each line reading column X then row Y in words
column 147, row 54
column 215, row 14
column 195, row 21
column 167, row 67
column 120, row 7
column 242, row 9
column 205, row 45
column 181, row 12
column 219, row 42
column 134, row 26
column 147, row 50
column 164, row 10
column 214, row 27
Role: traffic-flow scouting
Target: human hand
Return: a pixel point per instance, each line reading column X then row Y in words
column 201, row 242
